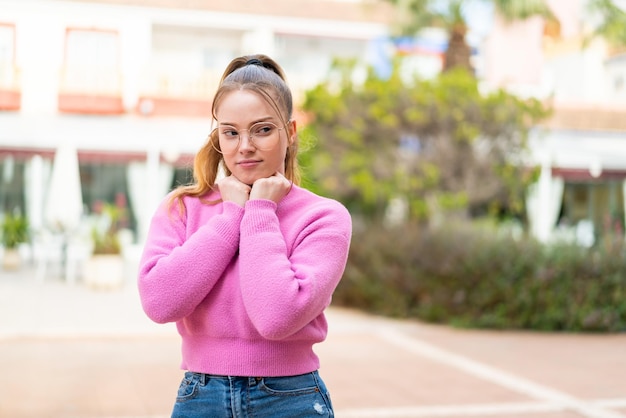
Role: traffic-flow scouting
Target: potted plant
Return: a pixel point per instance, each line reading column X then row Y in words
column 105, row 268
column 14, row 233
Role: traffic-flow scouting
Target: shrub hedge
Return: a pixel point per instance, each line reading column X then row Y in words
column 471, row 276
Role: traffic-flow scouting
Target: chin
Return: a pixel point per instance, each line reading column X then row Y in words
column 248, row 179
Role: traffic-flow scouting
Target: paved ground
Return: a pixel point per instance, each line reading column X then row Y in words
column 72, row 352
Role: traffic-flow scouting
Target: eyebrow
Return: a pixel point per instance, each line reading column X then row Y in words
column 263, row 119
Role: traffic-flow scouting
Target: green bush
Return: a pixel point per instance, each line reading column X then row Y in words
column 471, row 276
column 14, row 230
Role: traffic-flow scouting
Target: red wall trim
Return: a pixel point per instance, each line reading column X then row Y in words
column 10, row 99
column 583, row 174
column 92, row 156
column 90, row 104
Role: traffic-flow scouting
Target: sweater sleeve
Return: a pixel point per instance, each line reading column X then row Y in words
column 285, row 289
column 177, row 271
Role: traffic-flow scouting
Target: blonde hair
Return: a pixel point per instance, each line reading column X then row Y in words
column 257, row 73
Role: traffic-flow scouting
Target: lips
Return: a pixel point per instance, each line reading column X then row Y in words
column 248, row 163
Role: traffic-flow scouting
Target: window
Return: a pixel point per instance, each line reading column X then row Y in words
column 106, row 183
column 12, row 185
column 10, row 96
column 602, row 203
column 91, row 60
column 7, row 51
column 91, row 78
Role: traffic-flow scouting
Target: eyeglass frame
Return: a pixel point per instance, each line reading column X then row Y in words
column 250, row 137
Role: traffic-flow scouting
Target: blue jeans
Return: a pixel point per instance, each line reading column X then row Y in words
column 208, row 396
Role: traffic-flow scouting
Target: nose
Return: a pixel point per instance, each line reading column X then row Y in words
column 245, row 141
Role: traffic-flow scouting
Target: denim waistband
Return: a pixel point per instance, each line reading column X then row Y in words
column 203, row 378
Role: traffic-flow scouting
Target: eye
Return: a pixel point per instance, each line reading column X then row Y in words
column 263, row 129
column 229, row 132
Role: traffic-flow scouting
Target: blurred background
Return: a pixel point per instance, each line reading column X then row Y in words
column 480, row 146
column 411, row 111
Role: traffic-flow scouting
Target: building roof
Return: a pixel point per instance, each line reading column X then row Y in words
column 371, row 11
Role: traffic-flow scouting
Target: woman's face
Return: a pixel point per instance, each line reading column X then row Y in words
column 242, row 113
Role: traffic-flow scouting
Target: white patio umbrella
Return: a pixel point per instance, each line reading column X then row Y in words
column 64, row 201
column 37, row 174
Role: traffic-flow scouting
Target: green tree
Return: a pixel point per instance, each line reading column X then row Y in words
column 436, row 141
column 612, row 22
column 414, row 15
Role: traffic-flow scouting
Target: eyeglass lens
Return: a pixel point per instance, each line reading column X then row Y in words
column 262, row 135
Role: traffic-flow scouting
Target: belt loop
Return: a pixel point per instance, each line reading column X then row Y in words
column 204, row 379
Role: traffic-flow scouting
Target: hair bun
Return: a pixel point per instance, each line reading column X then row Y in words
column 254, row 61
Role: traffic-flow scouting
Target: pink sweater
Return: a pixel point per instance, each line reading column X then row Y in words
column 246, row 287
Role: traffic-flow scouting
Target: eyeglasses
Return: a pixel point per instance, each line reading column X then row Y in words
column 263, row 136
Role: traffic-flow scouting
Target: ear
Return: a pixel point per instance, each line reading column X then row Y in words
column 293, row 131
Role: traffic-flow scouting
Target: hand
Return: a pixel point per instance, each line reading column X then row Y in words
column 271, row 188
column 232, row 190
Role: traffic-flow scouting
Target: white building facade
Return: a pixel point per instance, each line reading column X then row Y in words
column 581, row 150
column 128, row 86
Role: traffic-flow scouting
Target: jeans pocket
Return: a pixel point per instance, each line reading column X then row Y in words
column 303, row 396
column 290, row 385
column 188, row 388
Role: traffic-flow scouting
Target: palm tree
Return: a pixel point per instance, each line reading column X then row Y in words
column 458, row 53
column 612, row 22
column 414, row 15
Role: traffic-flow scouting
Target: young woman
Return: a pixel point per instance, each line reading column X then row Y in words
column 245, row 263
